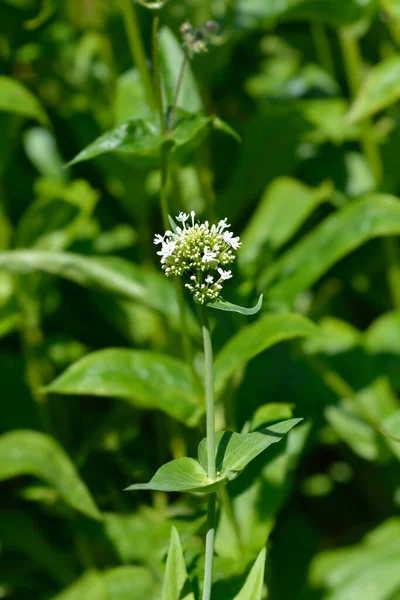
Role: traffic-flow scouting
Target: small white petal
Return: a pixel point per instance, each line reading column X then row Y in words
column 159, row 239
column 209, row 279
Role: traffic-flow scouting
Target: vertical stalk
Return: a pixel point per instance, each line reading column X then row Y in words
column 393, row 269
column 211, row 467
column 322, row 47
column 136, row 47
column 354, row 72
column 157, row 72
column 178, row 89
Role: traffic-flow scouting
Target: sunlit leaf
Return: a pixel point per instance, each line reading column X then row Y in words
column 180, row 475
column 175, row 576
column 361, row 220
column 141, row 139
column 253, row 587
column 144, row 379
column 234, row 451
column 221, row 304
column 32, row 453
column 380, row 89
column 384, row 334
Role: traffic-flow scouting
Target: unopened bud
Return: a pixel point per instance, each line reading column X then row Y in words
column 211, row 26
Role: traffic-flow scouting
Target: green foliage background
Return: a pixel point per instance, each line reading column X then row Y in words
column 95, row 392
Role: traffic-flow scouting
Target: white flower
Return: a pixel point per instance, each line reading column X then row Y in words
column 224, row 274
column 197, row 251
column 222, row 225
column 182, row 217
column 208, row 255
column 234, row 242
column 159, row 239
column 167, row 249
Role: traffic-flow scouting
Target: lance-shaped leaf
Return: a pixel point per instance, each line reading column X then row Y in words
column 256, row 338
column 361, row 220
column 17, row 99
column 142, row 378
column 380, row 89
column 222, row 304
column 253, row 587
column 180, row 475
column 234, row 451
column 32, row 453
column 142, row 140
column 113, row 275
column 176, row 585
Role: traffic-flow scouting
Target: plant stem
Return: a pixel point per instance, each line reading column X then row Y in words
column 322, row 47
column 209, row 559
column 178, row 89
column 211, row 467
column 209, row 386
column 354, row 73
column 157, row 72
column 136, row 47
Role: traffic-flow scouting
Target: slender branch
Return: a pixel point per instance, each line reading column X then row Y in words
column 211, row 468
column 136, row 48
column 210, row 536
column 209, row 385
column 322, row 47
column 177, row 91
column 157, row 72
column 393, row 269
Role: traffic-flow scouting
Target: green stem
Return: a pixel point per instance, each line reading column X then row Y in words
column 178, row 89
column 210, row 536
column 136, row 48
column 157, row 72
column 211, row 467
column 209, row 385
column 322, row 47
column 354, row 73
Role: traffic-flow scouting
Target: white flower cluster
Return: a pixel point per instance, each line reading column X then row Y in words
column 198, row 250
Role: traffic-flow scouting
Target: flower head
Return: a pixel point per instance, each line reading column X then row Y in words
column 198, row 251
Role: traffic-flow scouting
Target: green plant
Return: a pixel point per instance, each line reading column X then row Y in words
column 280, row 118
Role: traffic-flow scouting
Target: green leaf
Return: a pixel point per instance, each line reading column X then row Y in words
column 130, row 97
column 152, row 4
column 180, row 475
column 253, row 587
column 32, row 453
column 222, row 304
column 360, row 436
column 256, row 338
column 171, row 59
column 336, row 336
column 141, row 139
column 112, row 275
column 175, row 576
column 142, row 378
column 17, row 99
column 267, row 229
column 344, row 231
column 120, row 583
column 384, row 334
column 234, row 451
column 380, row 89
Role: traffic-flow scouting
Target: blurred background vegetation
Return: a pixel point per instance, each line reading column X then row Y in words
column 312, row 88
